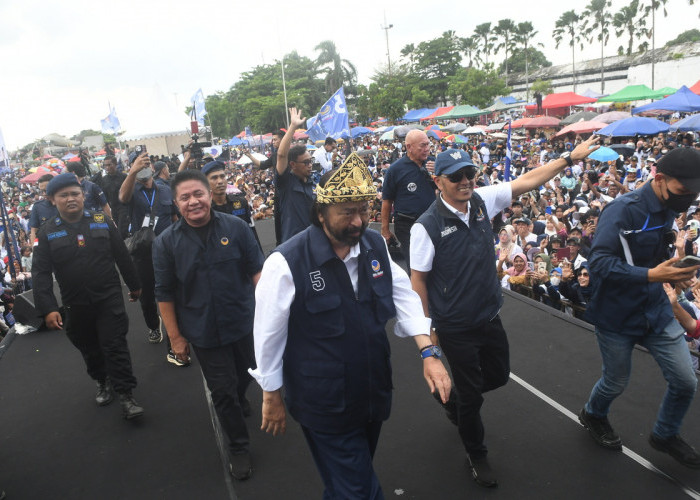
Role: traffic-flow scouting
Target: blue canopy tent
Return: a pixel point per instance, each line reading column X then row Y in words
column 684, row 100
column 412, row 116
column 688, row 124
column 425, row 113
column 634, row 125
column 236, row 142
column 358, row 131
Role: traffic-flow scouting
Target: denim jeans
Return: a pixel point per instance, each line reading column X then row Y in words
column 670, row 352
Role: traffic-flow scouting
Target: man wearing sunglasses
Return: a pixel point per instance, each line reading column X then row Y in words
column 629, row 262
column 293, row 183
column 452, row 270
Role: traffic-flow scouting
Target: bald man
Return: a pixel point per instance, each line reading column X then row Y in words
column 408, row 189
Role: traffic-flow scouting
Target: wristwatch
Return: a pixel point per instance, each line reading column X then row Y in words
column 431, row 350
column 567, row 156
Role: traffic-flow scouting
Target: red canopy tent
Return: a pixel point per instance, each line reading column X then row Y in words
column 696, row 88
column 565, row 99
column 438, row 112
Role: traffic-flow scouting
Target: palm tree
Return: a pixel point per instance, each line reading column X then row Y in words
column 506, row 30
column 524, row 33
column 483, row 34
column 337, row 71
column 568, row 25
column 596, row 25
column 651, row 9
column 631, row 19
column 470, row 47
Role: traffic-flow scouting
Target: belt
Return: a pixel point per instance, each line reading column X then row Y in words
column 411, row 218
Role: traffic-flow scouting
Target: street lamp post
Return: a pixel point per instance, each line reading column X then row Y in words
column 386, row 27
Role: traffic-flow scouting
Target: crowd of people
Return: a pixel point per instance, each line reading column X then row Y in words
column 182, row 233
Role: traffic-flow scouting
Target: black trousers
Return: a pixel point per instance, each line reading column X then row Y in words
column 480, row 362
column 144, row 267
column 402, row 230
column 225, row 369
column 99, row 331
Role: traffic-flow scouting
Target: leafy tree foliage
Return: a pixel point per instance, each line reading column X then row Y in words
column 516, row 62
column 687, row 36
column 477, row 87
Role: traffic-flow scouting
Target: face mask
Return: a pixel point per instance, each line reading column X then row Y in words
column 679, row 203
column 554, row 280
column 144, row 174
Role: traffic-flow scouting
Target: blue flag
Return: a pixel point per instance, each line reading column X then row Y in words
column 111, row 125
column 248, row 132
column 509, row 155
column 331, row 121
column 4, row 157
column 198, row 106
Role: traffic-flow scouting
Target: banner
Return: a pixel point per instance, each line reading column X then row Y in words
column 509, row 155
column 331, row 121
column 4, row 156
column 111, row 125
column 198, row 106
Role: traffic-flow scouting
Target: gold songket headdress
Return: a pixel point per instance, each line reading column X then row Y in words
column 351, row 182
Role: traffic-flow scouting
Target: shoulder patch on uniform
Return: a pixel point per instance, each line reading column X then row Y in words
column 236, row 204
column 86, row 213
column 98, row 217
column 57, row 234
column 99, row 225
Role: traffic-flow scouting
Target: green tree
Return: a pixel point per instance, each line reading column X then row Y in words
column 524, row 34
column 337, row 72
column 434, row 62
column 470, row 47
column 568, row 27
column 516, row 62
column 651, row 8
column 477, row 87
column 597, row 21
column 631, row 19
column 485, row 37
column 544, row 87
column 687, row 36
column 504, row 33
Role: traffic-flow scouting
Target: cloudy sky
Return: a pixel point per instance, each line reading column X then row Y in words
column 62, row 62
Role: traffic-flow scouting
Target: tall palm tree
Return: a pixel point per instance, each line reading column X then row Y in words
column 651, row 9
column 505, row 30
column 470, row 47
column 524, row 33
column 597, row 20
column 632, row 20
column 568, row 26
column 483, row 33
column 337, row 71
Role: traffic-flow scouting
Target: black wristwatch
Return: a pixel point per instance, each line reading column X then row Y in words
column 567, row 156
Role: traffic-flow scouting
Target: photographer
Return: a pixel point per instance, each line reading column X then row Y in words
column 150, row 205
column 326, row 155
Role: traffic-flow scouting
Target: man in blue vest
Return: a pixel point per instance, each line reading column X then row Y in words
column 453, row 271
column 323, row 301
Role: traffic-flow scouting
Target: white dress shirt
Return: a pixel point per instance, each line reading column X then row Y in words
column 275, row 293
column 496, row 198
column 323, row 157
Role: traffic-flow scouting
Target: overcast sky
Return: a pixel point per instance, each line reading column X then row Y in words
column 63, row 61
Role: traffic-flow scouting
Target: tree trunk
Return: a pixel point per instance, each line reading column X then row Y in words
column 602, row 74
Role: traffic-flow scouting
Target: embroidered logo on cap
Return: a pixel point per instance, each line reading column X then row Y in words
column 456, row 155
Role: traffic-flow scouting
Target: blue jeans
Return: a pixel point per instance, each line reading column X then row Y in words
column 670, row 352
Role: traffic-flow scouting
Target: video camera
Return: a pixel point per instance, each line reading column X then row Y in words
column 195, row 149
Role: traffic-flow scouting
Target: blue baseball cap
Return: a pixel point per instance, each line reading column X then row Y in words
column 61, row 181
column 212, row 166
column 451, row 161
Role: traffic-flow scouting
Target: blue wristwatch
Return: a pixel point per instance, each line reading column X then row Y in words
column 429, row 351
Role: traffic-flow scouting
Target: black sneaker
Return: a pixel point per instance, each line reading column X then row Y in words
column 104, row 394
column 155, row 336
column 601, row 430
column 240, row 467
column 678, row 449
column 177, row 361
column 130, row 408
column 482, row 472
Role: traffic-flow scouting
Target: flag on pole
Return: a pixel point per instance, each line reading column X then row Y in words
column 331, row 120
column 509, row 154
column 111, row 125
column 248, row 132
column 4, row 157
column 198, row 106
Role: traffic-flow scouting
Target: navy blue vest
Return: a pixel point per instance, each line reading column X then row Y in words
column 463, row 288
column 337, row 373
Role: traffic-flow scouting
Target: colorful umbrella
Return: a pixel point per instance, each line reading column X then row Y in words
column 604, row 154
column 582, row 127
column 635, row 125
column 542, row 122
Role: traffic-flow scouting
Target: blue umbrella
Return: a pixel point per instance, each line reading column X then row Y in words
column 358, row 131
column 688, row 124
column 604, row 154
column 635, row 125
column 236, row 142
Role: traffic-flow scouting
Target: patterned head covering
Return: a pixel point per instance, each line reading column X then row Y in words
column 351, row 182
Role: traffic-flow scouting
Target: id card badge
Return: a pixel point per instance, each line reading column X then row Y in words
column 146, row 221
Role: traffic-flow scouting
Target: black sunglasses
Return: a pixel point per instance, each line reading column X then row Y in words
column 457, row 176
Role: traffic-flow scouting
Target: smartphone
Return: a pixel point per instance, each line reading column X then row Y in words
column 140, row 148
column 563, row 254
column 531, row 266
column 688, row 261
column 548, row 210
column 541, row 267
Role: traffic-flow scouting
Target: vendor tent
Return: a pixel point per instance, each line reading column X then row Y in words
column 612, row 116
column 464, row 111
column 696, row 88
column 542, row 122
column 581, row 116
column 413, row 115
column 438, row 113
column 688, row 124
column 683, row 100
column 565, row 99
column 582, row 127
column 631, row 93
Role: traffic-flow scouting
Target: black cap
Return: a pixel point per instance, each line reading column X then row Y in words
column 682, row 164
column 158, row 166
column 212, row 166
column 524, row 220
column 574, row 240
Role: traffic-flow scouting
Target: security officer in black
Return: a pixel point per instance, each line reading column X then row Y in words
column 81, row 247
column 234, row 204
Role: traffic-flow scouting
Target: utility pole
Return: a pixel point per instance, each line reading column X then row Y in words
column 386, row 27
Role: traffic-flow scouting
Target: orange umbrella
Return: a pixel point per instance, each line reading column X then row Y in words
column 585, row 127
